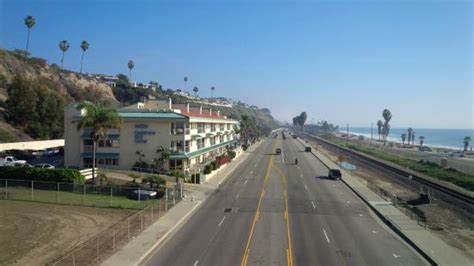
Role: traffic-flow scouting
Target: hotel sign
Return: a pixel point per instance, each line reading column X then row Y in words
column 141, row 130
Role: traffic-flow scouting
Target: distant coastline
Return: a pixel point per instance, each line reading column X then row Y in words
column 439, row 138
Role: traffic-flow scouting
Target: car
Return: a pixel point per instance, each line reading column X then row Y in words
column 278, row 151
column 334, row 174
column 307, row 149
column 424, row 148
column 44, row 165
column 143, row 194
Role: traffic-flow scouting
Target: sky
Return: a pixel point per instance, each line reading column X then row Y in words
column 340, row 61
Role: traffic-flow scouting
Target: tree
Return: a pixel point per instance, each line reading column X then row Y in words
column 410, row 132
column 84, row 47
column 185, row 80
column 63, row 46
column 413, row 137
column 130, row 65
column 98, row 119
column 387, row 116
column 404, row 137
column 196, row 89
column 422, row 140
column 29, row 22
column 155, row 181
column 140, row 155
column 467, row 139
column 212, row 92
column 163, row 155
column 379, row 127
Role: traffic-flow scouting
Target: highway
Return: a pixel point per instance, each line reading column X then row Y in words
column 270, row 211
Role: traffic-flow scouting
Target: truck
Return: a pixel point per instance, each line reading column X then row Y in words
column 11, row 161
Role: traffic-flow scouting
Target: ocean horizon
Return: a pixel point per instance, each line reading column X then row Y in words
column 442, row 138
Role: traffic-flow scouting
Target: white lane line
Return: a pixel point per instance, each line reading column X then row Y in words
column 301, row 175
column 251, row 172
column 395, row 255
column 361, row 215
column 245, row 182
column 326, row 235
column 196, row 263
column 375, row 232
column 237, row 196
column 220, row 223
column 314, row 206
column 305, row 187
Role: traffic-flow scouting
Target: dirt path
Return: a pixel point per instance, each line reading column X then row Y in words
column 34, row 233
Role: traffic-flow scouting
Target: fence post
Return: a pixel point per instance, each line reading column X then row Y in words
column 84, row 194
column 139, row 202
column 141, row 221
column 57, row 194
column 166, row 201
column 114, row 239
column 128, row 228
column 174, row 196
column 111, row 195
column 32, row 193
column 6, row 189
column 98, row 259
column 152, row 212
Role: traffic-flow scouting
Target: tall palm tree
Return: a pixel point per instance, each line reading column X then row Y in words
column 422, row 140
column 196, row 89
column 63, row 46
column 410, row 132
column 130, row 65
column 185, row 80
column 379, row 126
column 212, row 92
column 29, row 22
column 413, row 137
column 387, row 116
column 98, row 119
column 467, row 139
column 404, row 137
column 84, row 47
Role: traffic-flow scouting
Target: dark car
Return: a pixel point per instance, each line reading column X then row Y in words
column 278, row 151
column 307, row 149
column 143, row 194
column 334, row 174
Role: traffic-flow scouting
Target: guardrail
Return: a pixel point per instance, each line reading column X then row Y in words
column 447, row 189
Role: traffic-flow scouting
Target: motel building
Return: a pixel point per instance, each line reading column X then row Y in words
column 193, row 135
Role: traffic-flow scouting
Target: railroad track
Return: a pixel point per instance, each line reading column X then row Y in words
column 447, row 192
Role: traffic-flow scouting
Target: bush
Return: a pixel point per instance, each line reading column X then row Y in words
column 214, row 165
column 154, row 181
column 41, row 174
column 141, row 164
column 207, row 169
column 231, row 154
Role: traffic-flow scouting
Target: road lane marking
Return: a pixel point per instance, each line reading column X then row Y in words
column 326, row 235
column 395, row 255
column 305, row 187
column 245, row 181
column 237, row 196
column 220, row 223
column 375, row 232
column 287, row 218
column 314, row 206
column 361, row 215
column 245, row 256
column 301, row 175
column 196, row 263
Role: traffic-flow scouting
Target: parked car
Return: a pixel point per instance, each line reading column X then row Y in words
column 278, row 151
column 334, row 174
column 424, row 148
column 143, row 194
column 44, row 165
column 307, row 149
column 38, row 153
column 11, row 161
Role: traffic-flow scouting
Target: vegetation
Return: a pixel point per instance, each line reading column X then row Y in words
column 387, row 116
column 404, row 137
column 41, row 174
column 467, row 139
column 422, row 140
column 196, row 90
column 63, row 46
column 322, row 127
column 130, row 65
column 379, row 127
column 431, row 169
column 98, row 120
column 155, row 181
column 212, row 92
column 35, row 108
column 84, row 47
column 29, row 23
column 300, row 120
column 410, row 135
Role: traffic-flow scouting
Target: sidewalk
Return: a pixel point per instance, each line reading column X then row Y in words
column 135, row 251
column 427, row 244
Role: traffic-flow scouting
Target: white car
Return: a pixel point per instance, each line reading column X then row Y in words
column 44, row 165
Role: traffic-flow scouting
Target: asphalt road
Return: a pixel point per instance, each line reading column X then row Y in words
column 270, row 211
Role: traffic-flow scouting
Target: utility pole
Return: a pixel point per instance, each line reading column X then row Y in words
column 371, row 131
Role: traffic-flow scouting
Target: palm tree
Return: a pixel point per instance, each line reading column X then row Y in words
column 467, row 139
column 413, row 137
column 64, row 46
column 196, row 89
column 387, row 115
column 404, row 137
column 379, row 126
column 29, row 22
column 84, row 47
column 130, row 65
column 212, row 92
column 164, row 155
column 410, row 132
column 422, row 140
column 98, row 119
column 185, row 80
column 140, row 155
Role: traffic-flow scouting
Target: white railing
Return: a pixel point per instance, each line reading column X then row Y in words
column 87, row 173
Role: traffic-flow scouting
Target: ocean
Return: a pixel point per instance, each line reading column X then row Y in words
column 443, row 138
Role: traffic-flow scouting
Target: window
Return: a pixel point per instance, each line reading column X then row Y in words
column 176, row 164
column 213, row 127
column 108, row 143
column 201, row 128
column 177, row 128
column 186, row 145
column 221, row 127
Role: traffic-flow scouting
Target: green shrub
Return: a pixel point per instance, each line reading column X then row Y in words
column 41, row 174
column 213, row 165
column 207, row 169
column 231, row 154
column 154, row 181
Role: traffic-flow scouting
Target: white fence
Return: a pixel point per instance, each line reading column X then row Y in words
column 32, row 145
column 87, row 173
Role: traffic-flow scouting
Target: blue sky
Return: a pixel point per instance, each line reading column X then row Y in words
column 342, row 61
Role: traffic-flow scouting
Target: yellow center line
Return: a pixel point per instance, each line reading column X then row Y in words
column 289, row 251
column 256, row 216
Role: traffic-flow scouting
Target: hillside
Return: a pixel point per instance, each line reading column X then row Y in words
column 34, row 93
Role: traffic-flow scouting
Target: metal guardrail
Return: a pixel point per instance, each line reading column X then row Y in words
column 415, row 176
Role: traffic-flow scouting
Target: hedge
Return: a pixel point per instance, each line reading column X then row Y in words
column 41, row 174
